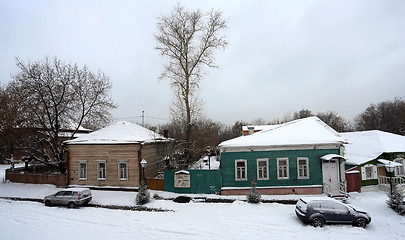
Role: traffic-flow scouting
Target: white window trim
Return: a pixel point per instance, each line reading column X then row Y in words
column 267, row 167
column 98, row 170
column 119, row 170
column 298, row 167
column 82, row 162
column 374, row 174
column 236, row 170
column 288, row 169
column 399, row 168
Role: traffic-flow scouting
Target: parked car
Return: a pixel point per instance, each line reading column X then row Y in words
column 320, row 210
column 70, row 197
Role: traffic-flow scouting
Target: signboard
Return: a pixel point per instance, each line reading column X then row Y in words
column 182, row 180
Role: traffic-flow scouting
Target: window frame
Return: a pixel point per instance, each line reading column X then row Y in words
column 307, row 167
column 236, row 170
column 80, row 178
column 98, row 170
column 374, row 174
column 287, row 168
column 400, row 170
column 126, row 170
column 259, row 169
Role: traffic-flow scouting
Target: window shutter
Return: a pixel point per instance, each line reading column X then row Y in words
column 363, row 173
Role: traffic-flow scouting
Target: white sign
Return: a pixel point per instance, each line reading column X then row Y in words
column 181, row 180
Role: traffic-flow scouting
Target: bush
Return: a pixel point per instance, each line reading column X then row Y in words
column 396, row 200
column 253, row 195
column 143, row 195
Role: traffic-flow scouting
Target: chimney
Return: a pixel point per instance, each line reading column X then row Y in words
column 166, row 133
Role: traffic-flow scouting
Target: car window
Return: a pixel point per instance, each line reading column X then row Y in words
column 75, row 194
column 327, row 206
column 61, row 193
column 340, row 207
column 68, row 193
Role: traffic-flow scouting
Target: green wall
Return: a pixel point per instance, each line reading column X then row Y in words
column 387, row 156
column 315, row 167
column 201, row 181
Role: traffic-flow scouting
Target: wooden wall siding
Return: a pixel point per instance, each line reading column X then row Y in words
column 315, row 167
column 153, row 156
column 111, row 154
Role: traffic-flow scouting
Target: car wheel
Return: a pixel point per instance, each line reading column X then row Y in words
column 71, row 205
column 48, row 203
column 318, row 222
column 361, row 222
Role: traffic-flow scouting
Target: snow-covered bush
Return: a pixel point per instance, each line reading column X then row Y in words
column 143, row 195
column 253, row 195
column 396, row 200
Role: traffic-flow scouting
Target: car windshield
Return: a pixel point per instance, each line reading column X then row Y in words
column 352, row 208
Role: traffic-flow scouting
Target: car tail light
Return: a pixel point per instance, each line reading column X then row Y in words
column 79, row 196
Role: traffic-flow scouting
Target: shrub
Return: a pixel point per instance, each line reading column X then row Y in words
column 396, row 200
column 143, row 195
column 253, row 195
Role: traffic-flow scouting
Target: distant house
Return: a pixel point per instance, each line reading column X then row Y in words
column 111, row 156
column 365, row 148
column 297, row 157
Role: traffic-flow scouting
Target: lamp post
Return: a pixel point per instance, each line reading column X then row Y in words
column 143, row 164
column 390, row 168
column 209, row 156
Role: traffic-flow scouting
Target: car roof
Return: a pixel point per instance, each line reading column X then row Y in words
column 318, row 199
column 76, row 189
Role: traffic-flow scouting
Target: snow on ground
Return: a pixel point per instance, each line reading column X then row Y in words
column 194, row 220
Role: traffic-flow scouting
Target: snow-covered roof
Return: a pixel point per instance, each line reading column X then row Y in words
column 259, row 127
column 389, row 163
column 306, row 131
column 120, row 132
column 368, row 145
column 328, row 157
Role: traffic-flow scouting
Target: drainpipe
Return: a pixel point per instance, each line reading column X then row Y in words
column 139, row 162
column 68, row 168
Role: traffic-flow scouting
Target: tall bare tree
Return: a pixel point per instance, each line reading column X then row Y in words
column 386, row 116
column 188, row 39
column 58, row 97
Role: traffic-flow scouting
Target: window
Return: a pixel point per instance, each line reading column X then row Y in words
column 368, row 172
column 101, row 170
column 82, row 170
column 240, row 170
column 123, row 170
column 399, row 171
column 263, row 169
column 282, row 168
column 302, row 167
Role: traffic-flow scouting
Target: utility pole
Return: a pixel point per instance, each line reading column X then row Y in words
column 143, row 118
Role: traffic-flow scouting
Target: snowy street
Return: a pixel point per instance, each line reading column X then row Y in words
column 238, row 220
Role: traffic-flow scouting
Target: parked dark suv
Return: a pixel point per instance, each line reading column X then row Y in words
column 321, row 210
column 70, row 197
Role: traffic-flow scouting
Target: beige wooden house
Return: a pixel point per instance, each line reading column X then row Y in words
column 111, row 156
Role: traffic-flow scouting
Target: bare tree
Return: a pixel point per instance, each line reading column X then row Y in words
column 58, row 97
column 386, row 116
column 13, row 120
column 335, row 121
column 188, row 39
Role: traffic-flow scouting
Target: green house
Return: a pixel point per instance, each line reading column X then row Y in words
column 363, row 150
column 298, row 157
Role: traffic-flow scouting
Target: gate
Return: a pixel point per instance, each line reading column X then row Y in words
column 193, row 181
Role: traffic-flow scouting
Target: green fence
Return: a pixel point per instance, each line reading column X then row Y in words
column 193, row 181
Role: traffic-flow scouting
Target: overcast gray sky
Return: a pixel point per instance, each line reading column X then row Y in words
column 283, row 56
